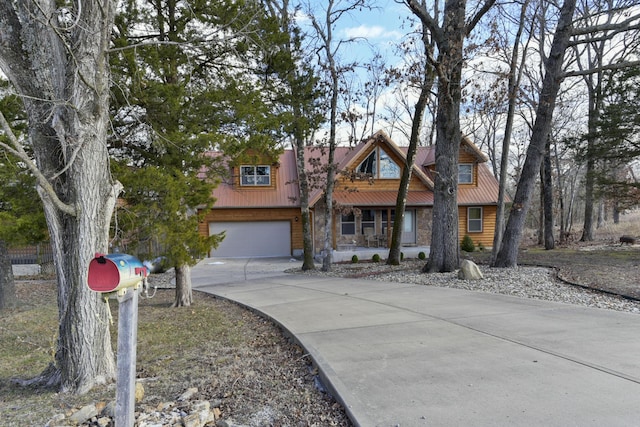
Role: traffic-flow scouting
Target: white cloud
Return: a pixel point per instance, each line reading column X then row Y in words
column 370, row 32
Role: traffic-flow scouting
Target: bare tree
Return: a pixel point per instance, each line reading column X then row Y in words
column 516, row 68
column 507, row 255
column 424, row 83
column 449, row 37
column 328, row 48
column 562, row 40
column 56, row 59
column 594, row 55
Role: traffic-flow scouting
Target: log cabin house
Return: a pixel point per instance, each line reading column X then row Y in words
column 258, row 206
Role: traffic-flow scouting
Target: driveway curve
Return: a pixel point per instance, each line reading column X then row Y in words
column 409, row 355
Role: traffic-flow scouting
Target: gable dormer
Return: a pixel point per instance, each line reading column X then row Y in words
column 255, row 172
column 469, row 158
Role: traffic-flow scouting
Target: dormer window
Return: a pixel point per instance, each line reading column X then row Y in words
column 255, row 175
column 465, row 174
column 378, row 164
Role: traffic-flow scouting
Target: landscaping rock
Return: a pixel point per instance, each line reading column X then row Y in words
column 84, row 414
column 469, row 271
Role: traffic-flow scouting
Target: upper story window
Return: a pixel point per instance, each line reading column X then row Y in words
column 255, row 175
column 465, row 173
column 378, row 164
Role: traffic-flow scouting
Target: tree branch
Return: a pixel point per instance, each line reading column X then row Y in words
column 488, row 4
column 617, row 27
column 588, row 71
column 427, row 20
column 19, row 152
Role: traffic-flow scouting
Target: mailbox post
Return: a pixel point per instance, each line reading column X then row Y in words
column 122, row 274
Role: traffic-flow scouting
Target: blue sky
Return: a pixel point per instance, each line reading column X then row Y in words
column 377, row 30
column 381, row 27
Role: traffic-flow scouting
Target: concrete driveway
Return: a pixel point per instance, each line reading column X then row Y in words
column 211, row 271
column 409, row 355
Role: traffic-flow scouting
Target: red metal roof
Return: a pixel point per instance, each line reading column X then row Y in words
column 286, row 193
column 485, row 193
column 381, row 198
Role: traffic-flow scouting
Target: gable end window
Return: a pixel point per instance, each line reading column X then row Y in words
column 255, row 175
column 465, row 173
column 378, row 164
column 474, row 219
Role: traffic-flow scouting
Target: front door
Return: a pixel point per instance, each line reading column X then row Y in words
column 409, row 227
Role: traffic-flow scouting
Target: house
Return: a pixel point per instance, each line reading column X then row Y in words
column 258, row 206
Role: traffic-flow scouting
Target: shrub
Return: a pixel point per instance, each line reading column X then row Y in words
column 480, row 246
column 422, row 256
column 354, row 259
column 401, row 256
column 467, row 244
column 375, row 258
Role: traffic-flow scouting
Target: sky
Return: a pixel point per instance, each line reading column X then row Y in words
column 377, row 30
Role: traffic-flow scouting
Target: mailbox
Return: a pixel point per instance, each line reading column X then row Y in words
column 112, row 272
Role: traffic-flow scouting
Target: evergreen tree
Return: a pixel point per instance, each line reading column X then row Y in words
column 187, row 79
column 618, row 146
column 21, row 215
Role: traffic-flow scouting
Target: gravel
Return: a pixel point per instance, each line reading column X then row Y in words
column 524, row 282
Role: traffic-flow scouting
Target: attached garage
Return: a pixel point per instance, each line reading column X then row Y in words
column 253, row 239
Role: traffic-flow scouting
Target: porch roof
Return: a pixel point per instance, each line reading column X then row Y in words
column 381, row 198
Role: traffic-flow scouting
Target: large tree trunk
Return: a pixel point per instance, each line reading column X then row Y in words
column 7, row 284
column 184, row 296
column 508, row 255
column 63, row 75
column 547, row 191
column 589, row 186
column 303, row 184
column 445, row 244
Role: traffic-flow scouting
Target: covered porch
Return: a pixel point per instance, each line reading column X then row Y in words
column 344, row 253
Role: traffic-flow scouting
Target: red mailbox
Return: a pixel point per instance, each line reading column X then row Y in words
column 112, row 272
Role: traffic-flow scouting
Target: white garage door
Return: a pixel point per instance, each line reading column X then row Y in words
column 253, row 239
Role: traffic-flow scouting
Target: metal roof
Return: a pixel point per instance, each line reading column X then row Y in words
column 286, row 192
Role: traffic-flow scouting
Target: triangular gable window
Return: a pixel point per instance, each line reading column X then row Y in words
column 378, row 164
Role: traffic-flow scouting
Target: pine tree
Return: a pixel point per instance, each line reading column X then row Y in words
column 197, row 79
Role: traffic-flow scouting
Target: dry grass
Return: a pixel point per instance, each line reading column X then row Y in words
column 629, row 225
column 230, row 354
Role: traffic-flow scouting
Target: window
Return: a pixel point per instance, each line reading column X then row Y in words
column 368, row 219
column 474, row 220
column 465, row 174
column 255, row 175
column 387, row 220
column 369, row 165
column 385, row 168
column 348, row 224
column 388, row 168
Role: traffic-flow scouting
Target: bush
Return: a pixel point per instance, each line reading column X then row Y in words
column 354, row 259
column 375, row 258
column 401, row 256
column 467, row 244
column 422, row 256
column 480, row 246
